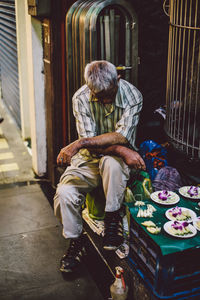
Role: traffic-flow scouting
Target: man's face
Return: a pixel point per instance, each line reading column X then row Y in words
column 106, row 97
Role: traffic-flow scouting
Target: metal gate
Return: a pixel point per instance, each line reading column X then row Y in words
column 8, row 59
column 98, row 30
column 183, row 77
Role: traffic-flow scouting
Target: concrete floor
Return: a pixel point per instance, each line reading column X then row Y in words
column 31, row 242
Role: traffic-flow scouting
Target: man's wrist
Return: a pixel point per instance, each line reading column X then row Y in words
column 122, row 151
column 80, row 144
column 87, row 142
column 115, row 150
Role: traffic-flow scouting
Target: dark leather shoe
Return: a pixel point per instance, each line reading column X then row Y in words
column 72, row 259
column 113, row 235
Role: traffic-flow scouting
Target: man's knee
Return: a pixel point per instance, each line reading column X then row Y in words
column 62, row 190
column 67, row 193
column 111, row 163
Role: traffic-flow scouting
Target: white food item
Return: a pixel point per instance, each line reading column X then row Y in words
column 148, row 224
column 198, row 224
column 185, row 215
column 154, row 230
column 145, row 213
column 139, row 203
column 151, row 208
column 139, row 213
column 184, row 231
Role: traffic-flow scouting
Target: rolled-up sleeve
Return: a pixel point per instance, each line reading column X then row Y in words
column 128, row 122
column 85, row 124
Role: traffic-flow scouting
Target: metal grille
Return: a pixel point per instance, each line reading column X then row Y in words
column 99, row 30
column 8, row 59
column 183, row 86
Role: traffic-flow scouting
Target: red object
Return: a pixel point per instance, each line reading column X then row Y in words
column 63, row 57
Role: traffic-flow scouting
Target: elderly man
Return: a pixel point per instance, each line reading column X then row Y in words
column 106, row 110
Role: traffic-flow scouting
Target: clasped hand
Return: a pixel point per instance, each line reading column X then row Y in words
column 133, row 160
column 66, row 153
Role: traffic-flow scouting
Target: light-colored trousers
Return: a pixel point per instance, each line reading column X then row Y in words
column 78, row 180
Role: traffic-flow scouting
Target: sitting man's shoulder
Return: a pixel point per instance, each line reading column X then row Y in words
column 129, row 91
column 83, row 92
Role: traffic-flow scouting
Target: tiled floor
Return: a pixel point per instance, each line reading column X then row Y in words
column 15, row 160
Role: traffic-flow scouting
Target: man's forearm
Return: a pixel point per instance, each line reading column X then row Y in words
column 106, row 144
column 116, row 150
column 102, row 141
column 130, row 157
column 99, row 145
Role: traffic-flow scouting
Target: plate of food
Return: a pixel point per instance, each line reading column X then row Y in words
column 165, row 197
column 180, row 229
column 196, row 223
column 180, row 214
column 192, row 192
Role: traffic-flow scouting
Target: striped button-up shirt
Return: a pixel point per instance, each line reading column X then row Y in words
column 94, row 118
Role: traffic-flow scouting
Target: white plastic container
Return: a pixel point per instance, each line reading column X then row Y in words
column 119, row 290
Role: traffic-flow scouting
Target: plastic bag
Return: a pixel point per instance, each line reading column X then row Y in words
column 139, row 187
column 154, row 156
column 167, row 178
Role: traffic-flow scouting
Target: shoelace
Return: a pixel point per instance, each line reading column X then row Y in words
column 113, row 229
column 74, row 248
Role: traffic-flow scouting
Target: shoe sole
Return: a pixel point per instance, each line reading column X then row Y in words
column 66, row 270
column 110, row 248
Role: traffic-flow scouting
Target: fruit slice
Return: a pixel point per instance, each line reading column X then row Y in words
column 154, row 230
column 149, row 224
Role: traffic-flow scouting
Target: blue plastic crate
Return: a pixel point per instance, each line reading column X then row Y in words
column 173, row 276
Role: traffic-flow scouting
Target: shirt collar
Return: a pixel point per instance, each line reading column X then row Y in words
column 92, row 98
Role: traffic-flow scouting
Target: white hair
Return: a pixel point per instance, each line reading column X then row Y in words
column 100, row 75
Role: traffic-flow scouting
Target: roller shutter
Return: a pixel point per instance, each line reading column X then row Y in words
column 8, row 59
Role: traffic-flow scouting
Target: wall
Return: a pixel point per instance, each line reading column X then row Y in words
column 31, row 83
column 37, row 107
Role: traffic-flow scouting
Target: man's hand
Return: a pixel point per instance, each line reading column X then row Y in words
column 66, row 153
column 133, row 159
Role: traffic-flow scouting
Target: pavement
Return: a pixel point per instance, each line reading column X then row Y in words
column 31, row 242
